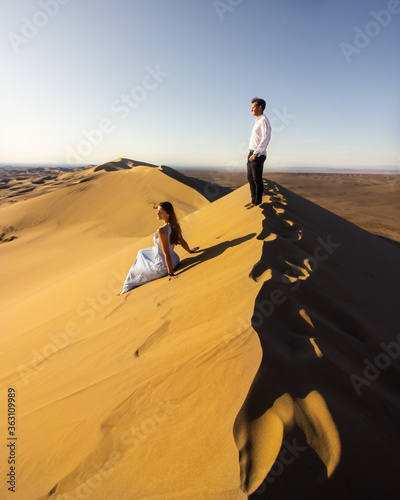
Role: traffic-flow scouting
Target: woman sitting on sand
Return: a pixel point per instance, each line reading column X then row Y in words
column 160, row 260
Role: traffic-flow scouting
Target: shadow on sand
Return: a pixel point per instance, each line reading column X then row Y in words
column 314, row 424
column 205, row 254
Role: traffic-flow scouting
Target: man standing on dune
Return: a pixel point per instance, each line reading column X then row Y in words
column 260, row 137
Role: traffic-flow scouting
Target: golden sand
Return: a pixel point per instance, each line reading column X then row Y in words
column 239, row 375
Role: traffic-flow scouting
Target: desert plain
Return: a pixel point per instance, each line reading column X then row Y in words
column 268, row 369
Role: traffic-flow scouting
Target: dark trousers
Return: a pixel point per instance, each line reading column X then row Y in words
column 254, row 177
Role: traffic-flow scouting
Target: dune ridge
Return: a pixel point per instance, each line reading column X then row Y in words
column 21, row 184
column 238, row 379
column 324, row 314
column 107, row 208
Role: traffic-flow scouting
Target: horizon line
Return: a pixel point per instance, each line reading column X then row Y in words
column 278, row 167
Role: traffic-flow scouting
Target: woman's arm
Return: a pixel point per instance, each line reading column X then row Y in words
column 163, row 236
column 185, row 246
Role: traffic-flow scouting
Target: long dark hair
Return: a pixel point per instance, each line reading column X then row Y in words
column 176, row 230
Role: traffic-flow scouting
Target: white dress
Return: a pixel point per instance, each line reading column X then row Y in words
column 149, row 264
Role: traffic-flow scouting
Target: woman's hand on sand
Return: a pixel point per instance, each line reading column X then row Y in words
column 172, row 277
column 194, row 250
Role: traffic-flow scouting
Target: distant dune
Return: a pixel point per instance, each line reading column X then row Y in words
column 122, row 164
column 25, row 183
column 268, row 369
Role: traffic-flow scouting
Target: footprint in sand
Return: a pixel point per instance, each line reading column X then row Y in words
column 261, row 440
column 280, row 227
column 153, row 339
column 277, row 200
column 297, row 272
column 274, row 222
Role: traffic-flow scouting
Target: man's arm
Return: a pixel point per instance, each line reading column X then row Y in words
column 265, row 129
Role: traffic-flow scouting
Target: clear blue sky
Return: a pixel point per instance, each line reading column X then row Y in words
column 170, row 81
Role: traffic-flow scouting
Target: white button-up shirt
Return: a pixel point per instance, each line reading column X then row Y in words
column 260, row 136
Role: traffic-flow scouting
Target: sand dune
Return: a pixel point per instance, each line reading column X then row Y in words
column 370, row 201
column 112, row 200
column 73, row 227
column 328, row 326
column 245, row 373
column 18, row 183
column 122, row 164
column 210, row 190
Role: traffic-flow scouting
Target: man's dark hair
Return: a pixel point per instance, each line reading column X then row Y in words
column 260, row 102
